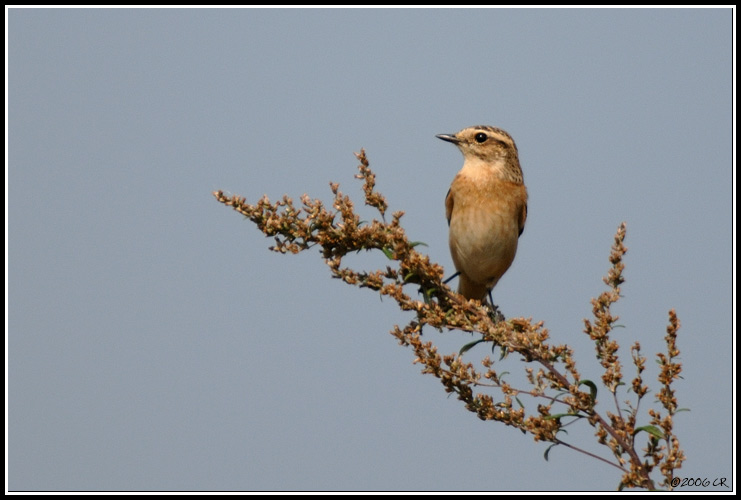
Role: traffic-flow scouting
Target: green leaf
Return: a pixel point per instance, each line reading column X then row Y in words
column 415, row 243
column 559, row 415
column 388, row 253
column 548, row 450
column 651, row 429
column 592, row 389
column 468, row 346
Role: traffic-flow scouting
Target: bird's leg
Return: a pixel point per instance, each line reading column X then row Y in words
column 448, row 280
column 494, row 313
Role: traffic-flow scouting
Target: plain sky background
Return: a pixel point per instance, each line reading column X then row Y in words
column 154, row 343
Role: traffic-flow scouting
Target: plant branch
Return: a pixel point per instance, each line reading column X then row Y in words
column 339, row 231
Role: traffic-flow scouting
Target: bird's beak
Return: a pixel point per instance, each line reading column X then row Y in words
column 449, row 137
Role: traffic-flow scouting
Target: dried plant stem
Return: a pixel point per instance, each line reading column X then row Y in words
column 416, row 285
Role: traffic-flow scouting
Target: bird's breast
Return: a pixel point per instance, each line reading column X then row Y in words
column 484, row 227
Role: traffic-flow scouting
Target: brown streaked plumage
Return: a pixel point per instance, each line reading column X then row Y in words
column 486, row 208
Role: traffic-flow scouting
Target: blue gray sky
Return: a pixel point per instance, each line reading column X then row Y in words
column 154, row 343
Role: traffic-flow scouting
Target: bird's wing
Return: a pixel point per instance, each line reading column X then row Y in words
column 523, row 216
column 448, row 205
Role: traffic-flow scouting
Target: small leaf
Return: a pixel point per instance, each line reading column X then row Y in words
column 468, row 346
column 415, row 243
column 559, row 415
column 388, row 253
column 592, row 389
column 651, row 429
column 548, row 450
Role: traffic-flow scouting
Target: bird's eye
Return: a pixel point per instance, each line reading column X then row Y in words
column 481, row 137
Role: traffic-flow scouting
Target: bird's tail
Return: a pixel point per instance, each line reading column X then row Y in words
column 472, row 290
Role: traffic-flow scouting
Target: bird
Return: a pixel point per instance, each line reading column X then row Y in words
column 486, row 209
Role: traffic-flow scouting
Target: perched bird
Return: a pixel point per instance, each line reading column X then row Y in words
column 486, row 208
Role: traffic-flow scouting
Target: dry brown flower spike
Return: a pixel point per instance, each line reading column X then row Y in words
column 557, row 395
